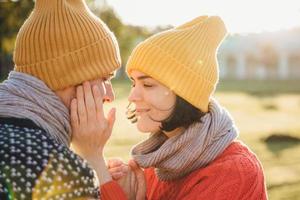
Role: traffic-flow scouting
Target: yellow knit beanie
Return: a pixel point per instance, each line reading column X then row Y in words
column 64, row 44
column 183, row 59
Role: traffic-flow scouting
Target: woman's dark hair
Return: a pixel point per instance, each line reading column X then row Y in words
column 183, row 115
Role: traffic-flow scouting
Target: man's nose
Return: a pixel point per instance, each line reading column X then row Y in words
column 109, row 94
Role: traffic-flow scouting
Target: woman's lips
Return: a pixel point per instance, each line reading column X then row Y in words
column 141, row 110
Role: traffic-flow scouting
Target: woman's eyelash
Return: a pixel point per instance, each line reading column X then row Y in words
column 145, row 85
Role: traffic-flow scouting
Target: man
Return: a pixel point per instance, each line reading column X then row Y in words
column 60, row 46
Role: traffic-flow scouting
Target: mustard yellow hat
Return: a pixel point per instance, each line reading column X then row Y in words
column 64, row 44
column 183, row 59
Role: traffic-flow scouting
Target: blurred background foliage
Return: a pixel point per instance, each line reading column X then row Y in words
column 12, row 15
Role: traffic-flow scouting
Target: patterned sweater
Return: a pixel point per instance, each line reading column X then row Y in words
column 34, row 166
column 236, row 174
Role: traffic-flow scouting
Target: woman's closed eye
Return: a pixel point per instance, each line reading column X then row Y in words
column 146, row 85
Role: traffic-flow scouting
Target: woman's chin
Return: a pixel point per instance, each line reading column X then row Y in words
column 147, row 127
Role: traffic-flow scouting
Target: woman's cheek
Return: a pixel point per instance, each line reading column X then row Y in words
column 145, row 124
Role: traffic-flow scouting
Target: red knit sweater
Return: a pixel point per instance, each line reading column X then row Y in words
column 236, row 174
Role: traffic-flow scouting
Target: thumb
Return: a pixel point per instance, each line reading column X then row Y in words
column 114, row 162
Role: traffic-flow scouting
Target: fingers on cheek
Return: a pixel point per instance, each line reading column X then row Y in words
column 81, row 105
column 79, row 92
column 102, row 88
column 96, row 93
column 74, row 114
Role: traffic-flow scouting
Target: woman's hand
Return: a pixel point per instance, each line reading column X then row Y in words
column 130, row 177
column 90, row 128
column 117, row 168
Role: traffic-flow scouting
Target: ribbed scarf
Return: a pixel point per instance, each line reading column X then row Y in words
column 24, row 96
column 196, row 147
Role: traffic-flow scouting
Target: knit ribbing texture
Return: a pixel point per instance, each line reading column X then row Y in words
column 64, row 44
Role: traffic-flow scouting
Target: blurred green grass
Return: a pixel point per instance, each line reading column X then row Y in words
column 260, row 109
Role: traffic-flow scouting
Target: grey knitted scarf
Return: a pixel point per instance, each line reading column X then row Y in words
column 196, row 147
column 24, row 96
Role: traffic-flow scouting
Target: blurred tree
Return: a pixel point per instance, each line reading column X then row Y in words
column 12, row 15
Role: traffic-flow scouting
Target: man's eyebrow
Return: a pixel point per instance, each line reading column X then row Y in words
column 141, row 77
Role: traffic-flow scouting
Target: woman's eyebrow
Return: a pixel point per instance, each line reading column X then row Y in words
column 141, row 77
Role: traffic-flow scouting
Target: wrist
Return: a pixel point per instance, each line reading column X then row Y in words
column 102, row 171
column 93, row 158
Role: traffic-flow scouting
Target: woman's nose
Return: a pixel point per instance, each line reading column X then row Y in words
column 134, row 95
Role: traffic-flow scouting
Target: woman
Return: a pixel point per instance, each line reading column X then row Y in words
column 192, row 152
